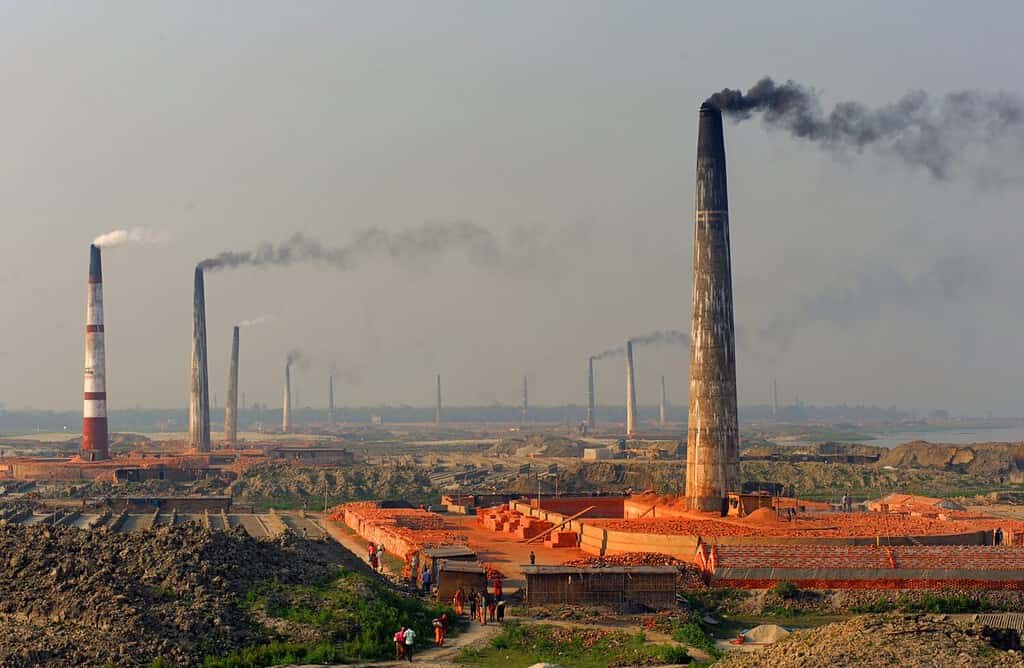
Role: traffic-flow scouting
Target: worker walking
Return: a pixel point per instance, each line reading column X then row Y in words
column 400, row 644
column 425, row 579
column 472, row 605
column 501, row 611
column 459, row 601
column 410, row 640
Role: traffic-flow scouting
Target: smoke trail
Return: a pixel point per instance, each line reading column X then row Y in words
column 618, row 351
column 295, row 357
column 135, row 235
column 663, row 338
column 409, row 248
column 258, row 320
column 349, row 373
column 872, row 291
column 922, row 131
column 659, row 338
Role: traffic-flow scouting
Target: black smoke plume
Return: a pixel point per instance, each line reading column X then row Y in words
column 295, row 357
column 666, row 337
column 923, row 131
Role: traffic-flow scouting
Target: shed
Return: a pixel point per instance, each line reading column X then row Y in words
column 432, row 556
column 628, row 587
column 453, row 574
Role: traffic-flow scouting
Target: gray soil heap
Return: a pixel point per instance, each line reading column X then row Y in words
column 91, row 598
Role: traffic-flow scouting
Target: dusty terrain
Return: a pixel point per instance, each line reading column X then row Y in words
column 91, row 598
column 908, row 641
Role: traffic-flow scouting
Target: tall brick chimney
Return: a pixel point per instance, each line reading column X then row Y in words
column 712, row 438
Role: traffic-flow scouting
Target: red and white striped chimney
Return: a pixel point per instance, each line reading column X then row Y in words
column 95, row 437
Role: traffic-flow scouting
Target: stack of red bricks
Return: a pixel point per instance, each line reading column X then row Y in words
column 522, row 527
column 562, row 539
column 949, row 557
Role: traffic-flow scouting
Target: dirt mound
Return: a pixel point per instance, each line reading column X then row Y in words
column 911, row 641
column 978, row 458
column 92, row 598
column 763, row 516
column 277, row 483
column 547, row 445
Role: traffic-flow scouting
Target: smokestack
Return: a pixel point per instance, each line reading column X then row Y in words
column 199, row 394
column 286, row 410
column 630, row 392
column 775, row 397
column 526, row 402
column 437, row 409
column 591, row 408
column 95, row 435
column 712, row 439
column 231, row 408
column 330, row 401
column 663, row 406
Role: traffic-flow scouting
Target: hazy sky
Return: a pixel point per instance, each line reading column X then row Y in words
column 572, row 123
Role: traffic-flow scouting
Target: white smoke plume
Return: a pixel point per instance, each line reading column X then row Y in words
column 134, row 235
column 258, row 320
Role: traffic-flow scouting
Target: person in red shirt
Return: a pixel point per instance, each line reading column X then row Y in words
column 400, row 644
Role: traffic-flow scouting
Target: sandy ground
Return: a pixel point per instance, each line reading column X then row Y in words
column 505, row 553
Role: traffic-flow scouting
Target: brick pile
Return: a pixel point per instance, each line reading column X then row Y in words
column 402, row 531
column 522, row 527
column 689, row 576
column 973, row 557
column 833, row 525
column 838, row 566
column 628, row 559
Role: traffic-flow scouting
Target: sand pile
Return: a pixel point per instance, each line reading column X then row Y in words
column 765, row 634
column 764, row 517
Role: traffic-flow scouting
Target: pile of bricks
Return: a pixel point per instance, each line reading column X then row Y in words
column 628, row 559
column 825, row 525
column 865, row 567
column 522, row 527
column 562, row 539
column 948, row 557
column 402, row 531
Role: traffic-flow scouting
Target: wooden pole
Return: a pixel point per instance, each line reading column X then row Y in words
column 559, row 525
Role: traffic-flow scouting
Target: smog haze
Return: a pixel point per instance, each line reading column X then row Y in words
column 487, row 190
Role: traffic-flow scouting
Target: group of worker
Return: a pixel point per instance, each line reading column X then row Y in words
column 483, row 605
column 375, row 555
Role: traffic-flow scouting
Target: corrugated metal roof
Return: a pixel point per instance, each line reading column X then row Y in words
column 460, row 566
column 577, row 570
column 1002, row 620
column 448, row 551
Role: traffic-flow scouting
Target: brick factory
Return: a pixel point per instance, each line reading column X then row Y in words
column 732, row 539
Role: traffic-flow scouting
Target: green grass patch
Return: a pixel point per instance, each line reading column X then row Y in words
column 348, row 618
column 786, row 590
column 948, row 604
column 523, row 645
column 784, row 611
column 693, row 635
